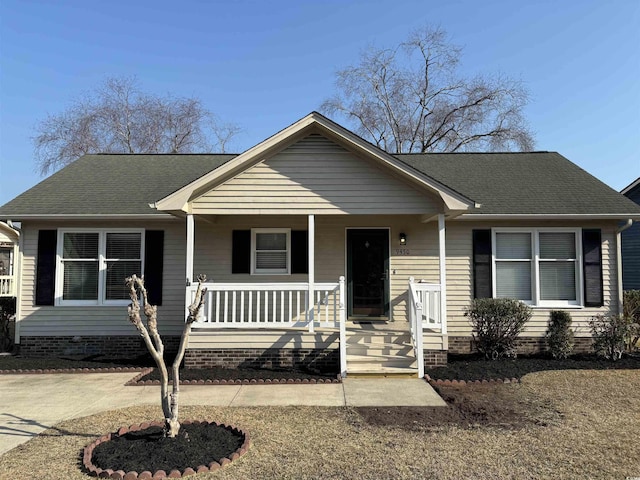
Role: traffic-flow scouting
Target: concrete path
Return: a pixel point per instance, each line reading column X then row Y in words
column 30, row 404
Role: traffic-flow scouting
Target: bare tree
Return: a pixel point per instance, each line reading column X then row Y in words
column 153, row 341
column 410, row 99
column 118, row 117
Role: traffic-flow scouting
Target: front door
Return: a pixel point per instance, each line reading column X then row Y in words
column 368, row 272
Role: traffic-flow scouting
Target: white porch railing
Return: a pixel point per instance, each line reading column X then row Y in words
column 424, row 312
column 7, row 286
column 260, row 305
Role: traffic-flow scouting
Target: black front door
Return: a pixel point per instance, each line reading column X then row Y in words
column 368, row 272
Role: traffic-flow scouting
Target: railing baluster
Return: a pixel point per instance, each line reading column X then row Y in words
column 258, row 306
column 242, row 306
column 298, row 305
column 218, row 307
column 290, row 306
column 226, row 307
column 266, row 307
column 275, row 305
column 209, row 306
column 282, row 306
column 234, row 306
column 250, row 305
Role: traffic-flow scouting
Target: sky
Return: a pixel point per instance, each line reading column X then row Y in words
column 265, row 64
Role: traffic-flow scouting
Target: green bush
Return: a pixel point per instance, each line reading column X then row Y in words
column 496, row 324
column 7, row 311
column 610, row 335
column 559, row 334
column 631, row 311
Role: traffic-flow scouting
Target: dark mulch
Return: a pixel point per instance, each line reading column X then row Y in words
column 469, row 406
column 243, row 373
column 196, row 444
column 475, row 367
column 16, row 362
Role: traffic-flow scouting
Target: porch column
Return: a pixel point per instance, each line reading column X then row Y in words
column 190, row 243
column 312, row 275
column 443, row 273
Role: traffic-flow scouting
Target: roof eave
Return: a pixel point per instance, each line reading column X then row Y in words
column 550, row 216
column 88, row 216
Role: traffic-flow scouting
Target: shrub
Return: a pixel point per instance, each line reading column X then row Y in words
column 559, row 334
column 7, row 311
column 610, row 335
column 496, row 324
column 631, row 311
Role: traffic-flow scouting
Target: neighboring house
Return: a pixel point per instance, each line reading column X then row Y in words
column 8, row 260
column 631, row 243
column 319, row 249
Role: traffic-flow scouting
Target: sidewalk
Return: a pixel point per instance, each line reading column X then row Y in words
column 29, row 404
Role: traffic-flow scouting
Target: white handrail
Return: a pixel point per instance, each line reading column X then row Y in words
column 251, row 305
column 415, row 321
column 343, row 329
column 7, row 285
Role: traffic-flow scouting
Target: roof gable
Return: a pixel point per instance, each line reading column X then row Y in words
column 312, row 123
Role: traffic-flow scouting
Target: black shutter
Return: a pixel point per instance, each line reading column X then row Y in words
column 299, row 251
column 46, row 267
column 153, row 264
column 592, row 266
column 241, row 251
column 482, row 264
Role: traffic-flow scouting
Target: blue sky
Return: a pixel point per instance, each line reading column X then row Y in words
column 264, row 65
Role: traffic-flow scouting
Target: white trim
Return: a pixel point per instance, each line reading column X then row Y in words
column 102, row 265
column 18, row 278
column 91, row 216
column 190, row 248
column 270, row 271
column 535, row 261
column 442, row 252
column 311, row 235
column 536, row 216
column 631, row 186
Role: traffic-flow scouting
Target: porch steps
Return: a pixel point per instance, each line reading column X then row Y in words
column 380, row 353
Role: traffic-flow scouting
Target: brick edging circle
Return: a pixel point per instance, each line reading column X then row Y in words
column 87, row 454
column 439, row 381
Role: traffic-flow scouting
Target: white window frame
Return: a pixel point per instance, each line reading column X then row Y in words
column 535, row 265
column 102, row 266
column 270, row 271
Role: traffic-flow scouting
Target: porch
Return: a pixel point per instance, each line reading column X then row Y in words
column 363, row 337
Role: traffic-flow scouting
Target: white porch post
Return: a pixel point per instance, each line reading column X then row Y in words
column 312, row 275
column 190, row 243
column 443, row 273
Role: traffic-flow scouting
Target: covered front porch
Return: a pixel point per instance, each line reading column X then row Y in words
column 338, row 293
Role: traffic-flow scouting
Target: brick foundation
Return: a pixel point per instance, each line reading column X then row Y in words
column 116, row 346
column 526, row 345
column 435, row 358
column 325, row 360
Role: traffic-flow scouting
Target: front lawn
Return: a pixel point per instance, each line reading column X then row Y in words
column 570, row 424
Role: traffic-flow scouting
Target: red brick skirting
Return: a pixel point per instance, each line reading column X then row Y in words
column 121, row 475
column 117, row 346
column 526, row 345
column 311, row 358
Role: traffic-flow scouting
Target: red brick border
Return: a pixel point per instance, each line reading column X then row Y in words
column 87, row 454
column 21, row 371
column 439, row 381
column 137, row 382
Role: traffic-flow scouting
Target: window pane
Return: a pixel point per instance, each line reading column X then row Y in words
column 80, row 245
column 123, row 245
column 80, row 281
column 116, row 274
column 271, row 260
column 513, row 245
column 513, row 280
column 557, row 281
column 557, row 245
column 271, row 241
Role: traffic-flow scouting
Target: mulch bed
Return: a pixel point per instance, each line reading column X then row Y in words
column 470, row 406
column 475, row 367
column 72, row 364
column 142, row 451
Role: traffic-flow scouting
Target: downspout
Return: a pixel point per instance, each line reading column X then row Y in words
column 619, row 262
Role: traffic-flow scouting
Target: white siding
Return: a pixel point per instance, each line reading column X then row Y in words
column 101, row 320
column 460, row 287
column 315, row 175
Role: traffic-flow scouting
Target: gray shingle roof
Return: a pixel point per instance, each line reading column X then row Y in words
column 111, row 185
column 522, row 183
column 504, row 183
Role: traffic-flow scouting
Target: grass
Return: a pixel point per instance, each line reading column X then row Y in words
column 588, row 430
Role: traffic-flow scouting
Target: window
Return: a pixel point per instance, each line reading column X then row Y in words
column 92, row 265
column 538, row 266
column 270, row 251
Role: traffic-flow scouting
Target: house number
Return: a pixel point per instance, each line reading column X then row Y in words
column 402, row 251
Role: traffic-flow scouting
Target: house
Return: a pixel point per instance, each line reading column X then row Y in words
column 8, row 260
column 319, row 248
column 631, row 243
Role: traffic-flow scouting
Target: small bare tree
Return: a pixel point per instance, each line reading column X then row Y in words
column 153, row 341
column 118, row 117
column 410, row 99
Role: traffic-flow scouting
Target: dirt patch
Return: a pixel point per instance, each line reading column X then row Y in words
column 469, row 406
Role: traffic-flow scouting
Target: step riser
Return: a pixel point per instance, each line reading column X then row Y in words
column 380, row 350
column 373, row 364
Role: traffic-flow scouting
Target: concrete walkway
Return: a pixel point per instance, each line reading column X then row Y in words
column 30, row 404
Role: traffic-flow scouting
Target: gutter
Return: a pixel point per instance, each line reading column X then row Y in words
column 619, row 231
